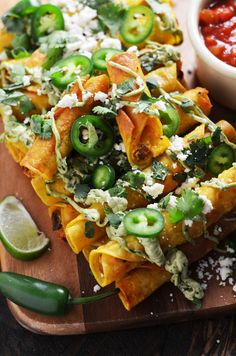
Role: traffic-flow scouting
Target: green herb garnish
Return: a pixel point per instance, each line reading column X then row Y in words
column 188, row 206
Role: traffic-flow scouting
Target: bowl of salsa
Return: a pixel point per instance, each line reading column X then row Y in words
column 212, row 30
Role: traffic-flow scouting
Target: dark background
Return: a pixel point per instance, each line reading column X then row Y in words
column 203, row 337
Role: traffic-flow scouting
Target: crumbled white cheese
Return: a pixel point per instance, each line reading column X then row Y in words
column 68, row 101
column 217, row 230
column 87, row 95
column 100, row 196
column 208, row 207
column 155, row 190
column 153, row 206
column 160, row 105
column 190, row 182
column 96, row 288
column 148, row 178
column 26, row 80
column 3, row 56
column 177, row 144
column 132, row 49
column 100, row 96
column 111, row 43
column 139, row 81
column 225, row 269
column 119, row 147
column 182, row 156
column 172, row 201
column 188, row 222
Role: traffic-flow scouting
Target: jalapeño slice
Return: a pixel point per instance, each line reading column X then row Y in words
column 144, row 222
column 170, row 120
column 101, row 56
column 137, row 24
column 67, row 69
column 45, row 20
column 103, row 177
column 220, row 159
column 92, row 136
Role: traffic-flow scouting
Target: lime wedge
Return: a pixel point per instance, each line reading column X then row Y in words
column 18, row 232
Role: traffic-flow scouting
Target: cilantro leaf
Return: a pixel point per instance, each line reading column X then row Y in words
column 216, row 136
column 159, row 171
column 180, row 177
column 41, row 127
column 94, row 4
column 199, row 151
column 11, row 99
column 25, row 105
column 118, row 191
column 104, row 111
column 163, row 203
column 82, row 191
column 114, row 219
column 135, row 180
column 89, row 229
column 111, row 16
column 188, row 206
column 126, row 87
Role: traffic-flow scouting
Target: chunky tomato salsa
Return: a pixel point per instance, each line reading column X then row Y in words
column 218, row 27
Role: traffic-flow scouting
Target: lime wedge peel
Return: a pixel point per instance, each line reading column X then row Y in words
column 18, row 232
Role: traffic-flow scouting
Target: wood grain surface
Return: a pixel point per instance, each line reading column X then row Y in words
column 60, row 265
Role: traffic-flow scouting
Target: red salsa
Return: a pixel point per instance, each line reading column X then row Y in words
column 218, row 27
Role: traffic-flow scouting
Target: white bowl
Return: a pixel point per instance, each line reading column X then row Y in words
column 218, row 77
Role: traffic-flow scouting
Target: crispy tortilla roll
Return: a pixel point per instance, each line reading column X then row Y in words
column 167, row 78
column 17, row 150
column 141, row 282
column 40, row 189
column 41, row 158
column 118, row 76
column 175, row 167
column 223, row 201
column 142, row 136
column 110, row 262
column 75, row 231
column 5, row 39
column 200, row 97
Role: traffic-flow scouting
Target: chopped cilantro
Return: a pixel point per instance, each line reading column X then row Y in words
column 163, row 203
column 199, row 151
column 127, row 86
column 11, row 99
column 82, row 191
column 17, row 98
column 25, row 105
column 216, row 136
column 180, row 177
column 197, row 172
column 41, row 127
column 188, row 206
column 94, row 4
column 114, row 219
column 135, row 180
column 118, row 191
column 159, row 171
column 111, row 16
column 89, row 229
column 104, row 111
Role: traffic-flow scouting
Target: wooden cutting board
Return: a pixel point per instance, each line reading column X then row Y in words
column 62, row 266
